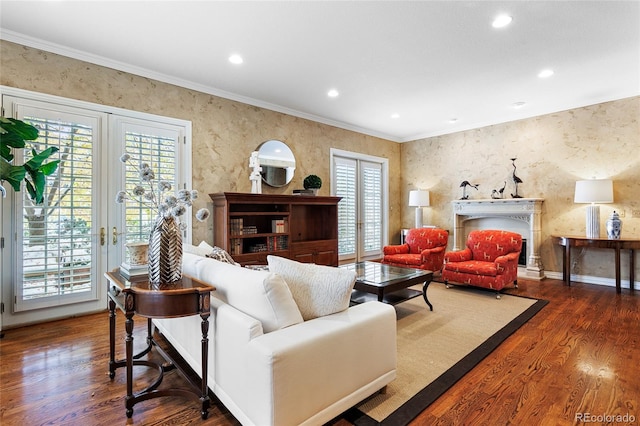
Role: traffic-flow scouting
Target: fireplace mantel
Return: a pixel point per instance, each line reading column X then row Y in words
column 527, row 210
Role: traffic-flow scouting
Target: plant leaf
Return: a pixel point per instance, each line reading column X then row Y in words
column 36, row 161
column 5, row 152
column 12, row 174
column 49, row 167
column 12, row 126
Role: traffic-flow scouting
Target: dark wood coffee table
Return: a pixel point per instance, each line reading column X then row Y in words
column 388, row 284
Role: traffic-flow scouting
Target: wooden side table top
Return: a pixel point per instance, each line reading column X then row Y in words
column 581, row 240
column 159, row 301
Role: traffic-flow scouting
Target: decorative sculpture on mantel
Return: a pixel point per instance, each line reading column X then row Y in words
column 464, row 186
column 256, row 176
column 497, row 194
column 516, row 179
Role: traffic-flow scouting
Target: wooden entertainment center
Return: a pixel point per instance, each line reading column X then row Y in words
column 298, row 227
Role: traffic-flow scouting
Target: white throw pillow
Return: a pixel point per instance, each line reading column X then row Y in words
column 189, row 248
column 318, row 290
column 263, row 295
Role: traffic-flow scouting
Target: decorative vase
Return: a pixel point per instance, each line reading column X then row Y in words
column 138, row 253
column 614, row 226
column 165, row 251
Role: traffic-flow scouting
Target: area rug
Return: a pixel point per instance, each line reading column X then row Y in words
column 436, row 349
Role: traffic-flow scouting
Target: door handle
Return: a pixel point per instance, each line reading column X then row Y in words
column 103, row 235
column 115, row 236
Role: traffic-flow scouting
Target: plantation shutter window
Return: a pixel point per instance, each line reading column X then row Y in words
column 159, row 152
column 371, row 207
column 361, row 182
column 346, row 187
column 56, row 256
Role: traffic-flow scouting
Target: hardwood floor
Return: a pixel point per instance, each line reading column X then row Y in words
column 578, row 356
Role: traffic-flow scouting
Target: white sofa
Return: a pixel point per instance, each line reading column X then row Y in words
column 280, row 369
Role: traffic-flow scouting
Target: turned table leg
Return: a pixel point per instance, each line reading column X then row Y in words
column 112, row 339
column 129, row 356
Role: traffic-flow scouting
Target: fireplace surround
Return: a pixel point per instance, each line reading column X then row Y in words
column 521, row 215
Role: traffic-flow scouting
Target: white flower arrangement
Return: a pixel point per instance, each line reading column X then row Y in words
column 170, row 205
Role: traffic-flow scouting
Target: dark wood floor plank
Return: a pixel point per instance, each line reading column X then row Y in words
column 578, row 355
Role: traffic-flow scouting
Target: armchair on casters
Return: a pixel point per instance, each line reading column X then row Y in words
column 490, row 260
column 423, row 248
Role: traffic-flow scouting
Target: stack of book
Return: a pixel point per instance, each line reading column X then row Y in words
column 236, row 246
column 132, row 271
column 236, row 226
column 249, row 230
column 279, row 226
column 278, row 243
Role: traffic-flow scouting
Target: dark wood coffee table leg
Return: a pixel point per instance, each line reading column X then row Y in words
column 425, row 285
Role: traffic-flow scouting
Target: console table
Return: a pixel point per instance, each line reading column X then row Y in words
column 138, row 297
column 577, row 241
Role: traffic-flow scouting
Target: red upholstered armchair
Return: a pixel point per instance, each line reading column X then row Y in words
column 423, row 249
column 490, row 260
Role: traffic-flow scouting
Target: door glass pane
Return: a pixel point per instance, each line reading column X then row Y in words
column 371, row 207
column 159, row 152
column 56, row 236
column 346, row 185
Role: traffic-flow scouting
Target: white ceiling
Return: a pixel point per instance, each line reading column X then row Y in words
column 428, row 61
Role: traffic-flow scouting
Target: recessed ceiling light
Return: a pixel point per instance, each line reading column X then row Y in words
column 518, row 105
column 236, row 59
column 333, row 93
column 501, row 21
column 396, row 115
column 545, row 73
column 453, row 120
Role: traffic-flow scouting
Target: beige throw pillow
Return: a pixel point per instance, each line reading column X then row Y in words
column 318, row 290
column 261, row 294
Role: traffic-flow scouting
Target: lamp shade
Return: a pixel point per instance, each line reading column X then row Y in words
column 418, row 198
column 594, row 191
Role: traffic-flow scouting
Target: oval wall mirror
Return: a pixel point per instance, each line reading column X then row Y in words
column 277, row 162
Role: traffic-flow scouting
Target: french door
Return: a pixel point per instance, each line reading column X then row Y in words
column 362, row 182
column 54, row 261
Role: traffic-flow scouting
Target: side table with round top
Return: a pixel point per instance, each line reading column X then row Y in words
column 137, row 296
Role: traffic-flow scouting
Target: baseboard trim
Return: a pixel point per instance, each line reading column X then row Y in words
column 588, row 279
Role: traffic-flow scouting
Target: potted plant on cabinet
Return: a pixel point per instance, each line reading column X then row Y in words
column 313, row 183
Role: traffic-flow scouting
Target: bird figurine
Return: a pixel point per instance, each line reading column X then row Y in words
column 516, row 179
column 497, row 194
column 464, row 186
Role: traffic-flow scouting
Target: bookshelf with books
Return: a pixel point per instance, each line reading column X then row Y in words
column 252, row 226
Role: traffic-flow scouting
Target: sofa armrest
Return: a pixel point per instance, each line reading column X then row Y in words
column 396, row 249
column 504, row 260
column 234, row 326
column 290, row 374
column 458, row 256
column 432, row 251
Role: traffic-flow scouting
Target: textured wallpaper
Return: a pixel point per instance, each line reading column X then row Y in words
column 224, row 132
column 552, row 151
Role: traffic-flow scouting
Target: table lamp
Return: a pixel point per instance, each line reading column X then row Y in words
column 418, row 199
column 594, row 191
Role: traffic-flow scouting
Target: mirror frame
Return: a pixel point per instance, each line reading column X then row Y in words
column 276, row 160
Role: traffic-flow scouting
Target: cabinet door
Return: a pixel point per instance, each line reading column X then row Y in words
column 327, row 257
column 323, row 252
column 306, row 257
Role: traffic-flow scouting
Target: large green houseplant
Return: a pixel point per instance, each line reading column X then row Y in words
column 13, row 135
